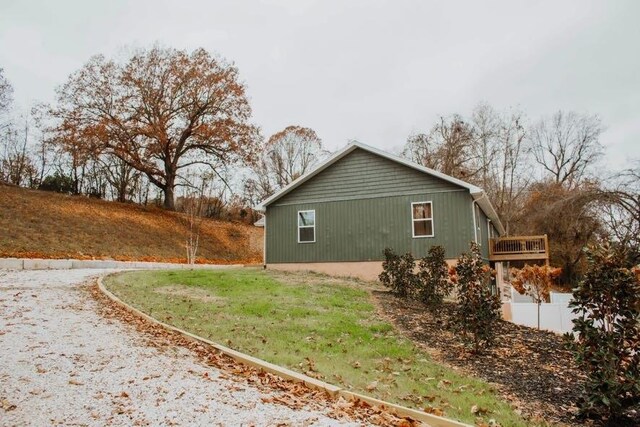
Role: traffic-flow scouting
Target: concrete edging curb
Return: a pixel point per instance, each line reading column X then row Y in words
column 69, row 264
column 287, row 374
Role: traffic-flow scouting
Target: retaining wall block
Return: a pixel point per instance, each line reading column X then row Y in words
column 36, row 264
column 11, row 264
column 60, row 264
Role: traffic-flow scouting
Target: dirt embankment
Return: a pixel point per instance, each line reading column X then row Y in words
column 39, row 224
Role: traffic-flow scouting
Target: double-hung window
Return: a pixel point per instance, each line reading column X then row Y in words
column 306, row 226
column 422, row 219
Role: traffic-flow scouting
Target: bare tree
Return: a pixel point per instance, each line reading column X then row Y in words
column 566, row 145
column 508, row 178
column 621, row 209
column 16, row 163
column 260, row 184
column 448, row 148
column 193, row 209
column 120, row 175
column 287, row 155
column 291, row 153
column 487, row 125
column 6, row 93
column 161, row 111
column 422, row 148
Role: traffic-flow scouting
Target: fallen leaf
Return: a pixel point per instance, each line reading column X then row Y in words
column 434, row 410
column 477, row 410
column 6, row 405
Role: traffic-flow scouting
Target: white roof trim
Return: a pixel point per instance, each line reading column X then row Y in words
column 260, row 222
column 477, row 193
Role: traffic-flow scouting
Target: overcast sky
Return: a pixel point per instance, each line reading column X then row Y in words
column 373, row 71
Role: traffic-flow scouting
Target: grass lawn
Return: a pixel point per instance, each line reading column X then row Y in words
column 325, row 327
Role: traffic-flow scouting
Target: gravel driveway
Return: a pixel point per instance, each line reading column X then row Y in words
column 63, row 363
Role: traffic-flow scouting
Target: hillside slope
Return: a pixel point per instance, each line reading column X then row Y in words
column 41, row 224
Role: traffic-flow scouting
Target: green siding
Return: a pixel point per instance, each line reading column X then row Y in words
column 360, row 229
column 362, row 174
column 483, row 236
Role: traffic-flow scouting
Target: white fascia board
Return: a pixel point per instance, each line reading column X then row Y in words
column 261, row 221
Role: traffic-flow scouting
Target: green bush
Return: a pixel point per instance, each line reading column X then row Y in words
column 433, row 283
column 607, row 334
column 477, row 309
column 397, row 273
column 59, row 183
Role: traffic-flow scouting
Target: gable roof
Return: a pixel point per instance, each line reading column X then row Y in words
column 476, row 192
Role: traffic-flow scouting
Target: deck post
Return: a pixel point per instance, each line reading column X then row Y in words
column 546, row 252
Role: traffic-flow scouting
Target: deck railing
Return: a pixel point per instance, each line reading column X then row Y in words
column 519, row 247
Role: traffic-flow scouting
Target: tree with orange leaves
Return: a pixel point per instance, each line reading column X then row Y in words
column 160, row 111
column 535, row 281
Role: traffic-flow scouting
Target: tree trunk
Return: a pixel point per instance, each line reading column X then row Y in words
column 122, row 194
column 122, row 188
column 169, row 203
column 170, row 173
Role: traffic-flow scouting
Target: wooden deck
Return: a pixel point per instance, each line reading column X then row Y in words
column 519, row 248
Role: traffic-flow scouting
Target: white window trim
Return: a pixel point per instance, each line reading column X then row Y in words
column 433, row 224
column 306, row 226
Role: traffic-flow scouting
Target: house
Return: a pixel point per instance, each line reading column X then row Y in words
column 339, row 217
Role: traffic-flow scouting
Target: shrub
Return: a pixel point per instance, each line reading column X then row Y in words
column 59, row 183
column 478, row 309
column 433, row 283
column 607, row 345
column 397, row 273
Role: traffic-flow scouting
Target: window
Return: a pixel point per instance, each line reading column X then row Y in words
column 422, row 219
column 306, row 226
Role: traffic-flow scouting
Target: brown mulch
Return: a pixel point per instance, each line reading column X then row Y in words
column 288, row 393
column 530, row 368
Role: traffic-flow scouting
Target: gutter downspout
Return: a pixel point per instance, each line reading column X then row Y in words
column 264, row 242
column 475, row 226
